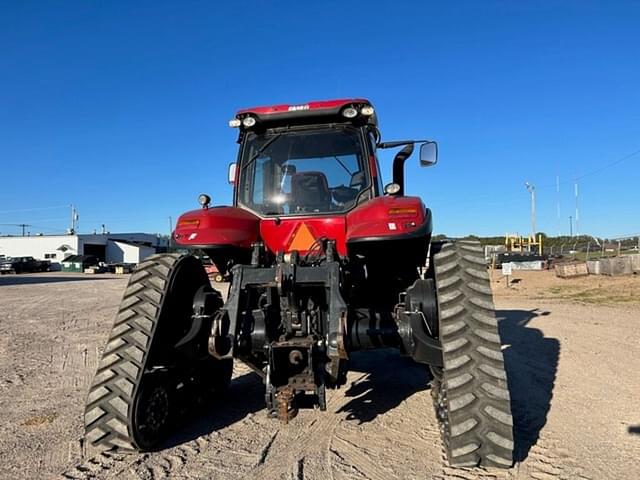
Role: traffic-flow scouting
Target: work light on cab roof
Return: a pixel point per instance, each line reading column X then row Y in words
column 347, row 108
column 323, row 260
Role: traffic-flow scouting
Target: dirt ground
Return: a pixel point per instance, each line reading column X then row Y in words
column 572, row 352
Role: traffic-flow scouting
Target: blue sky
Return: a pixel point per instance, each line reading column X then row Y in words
column 121, row 107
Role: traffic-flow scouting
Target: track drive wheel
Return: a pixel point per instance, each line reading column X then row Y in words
column 145, row 371
column 470, row 392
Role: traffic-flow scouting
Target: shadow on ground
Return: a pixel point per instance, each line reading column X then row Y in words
column 387, row 380
column 531, row 361
column 245, row 396
column 20, row 279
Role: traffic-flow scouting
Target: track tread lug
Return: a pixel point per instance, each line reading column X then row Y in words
column 455, row 344
column 462, row 401
column 487, row 336
column 447, row 313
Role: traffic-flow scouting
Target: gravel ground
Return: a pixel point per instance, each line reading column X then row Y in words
column 573, row 361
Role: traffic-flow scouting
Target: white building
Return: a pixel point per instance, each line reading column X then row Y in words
column 108, row 247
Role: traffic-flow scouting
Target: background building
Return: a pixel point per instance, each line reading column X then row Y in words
column 107, row 247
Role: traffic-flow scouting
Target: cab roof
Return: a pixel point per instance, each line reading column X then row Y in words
column 333, row 105
column 323, row 111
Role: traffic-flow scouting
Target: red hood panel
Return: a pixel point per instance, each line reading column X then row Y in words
column 384, row 217
column 381, row 217
column 217, row 226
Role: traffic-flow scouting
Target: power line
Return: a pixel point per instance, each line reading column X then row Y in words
column 48, row 229
column 479, row 199
column 34, row 209
column 626, row 157
column 46, row 220
column 21, row 225
column 593, row 172
column 625, row 237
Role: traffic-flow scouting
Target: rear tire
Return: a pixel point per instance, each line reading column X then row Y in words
column 470, row 392
column 135, row 390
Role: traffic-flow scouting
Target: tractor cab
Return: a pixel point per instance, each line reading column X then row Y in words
column 310, row 159
column 306, row 174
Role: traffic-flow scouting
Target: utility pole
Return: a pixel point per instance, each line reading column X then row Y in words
column 23, row 225
column 577, row 216
column 570, row 226
column 532, row 190
column 74, row 220
column 170, row 232
column 558, row 202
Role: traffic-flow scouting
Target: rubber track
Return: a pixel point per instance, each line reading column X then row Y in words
column 472, row 397
column 108, row 412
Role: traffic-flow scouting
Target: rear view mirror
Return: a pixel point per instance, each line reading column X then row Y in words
column 232, row 173
column 428, row 154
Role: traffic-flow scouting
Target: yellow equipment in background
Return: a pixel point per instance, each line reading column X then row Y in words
column 518, row 243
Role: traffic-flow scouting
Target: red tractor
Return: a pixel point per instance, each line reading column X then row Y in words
column 323, row 261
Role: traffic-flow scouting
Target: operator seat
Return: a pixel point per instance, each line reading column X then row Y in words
column 310, row 192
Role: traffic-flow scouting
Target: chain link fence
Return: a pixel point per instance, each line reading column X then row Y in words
column 593, row 248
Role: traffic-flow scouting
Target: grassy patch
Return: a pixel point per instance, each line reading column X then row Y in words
column 605, row 295
column 40, row 420
column 557, row 290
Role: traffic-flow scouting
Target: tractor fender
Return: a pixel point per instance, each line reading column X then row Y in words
column 388, row 218
column 217, row 226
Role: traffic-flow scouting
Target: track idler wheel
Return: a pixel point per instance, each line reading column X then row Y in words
column 152, row 410
column 470, row 392
column 156, row 357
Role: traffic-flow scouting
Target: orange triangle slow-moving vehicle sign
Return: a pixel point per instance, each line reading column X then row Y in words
column 302, row 239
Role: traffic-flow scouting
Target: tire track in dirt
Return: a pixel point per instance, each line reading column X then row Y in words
column 548, row 460
column 543, row 463
column 301, row 445
column 169, row 462
column 390, row 430
column 349, row 447
column 43, row 365
column 256, row 447
column 385, row 425
column 316, row 444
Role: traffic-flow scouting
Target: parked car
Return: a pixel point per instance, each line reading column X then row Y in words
column 24, row 265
